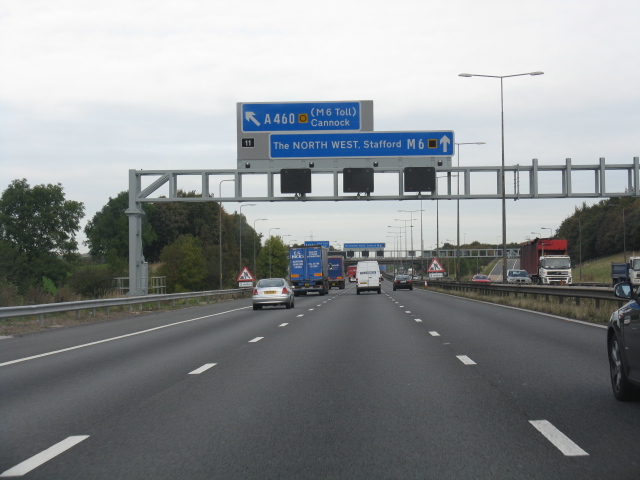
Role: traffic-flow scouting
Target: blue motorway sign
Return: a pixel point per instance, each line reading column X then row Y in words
column 361, row 144
column 312, row 116
column 365, row 246
column 319, row 243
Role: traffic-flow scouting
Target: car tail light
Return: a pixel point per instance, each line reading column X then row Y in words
column 255, row 291
column 284, row 290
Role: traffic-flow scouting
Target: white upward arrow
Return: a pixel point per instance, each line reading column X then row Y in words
column 444, row 141
column 250, row 117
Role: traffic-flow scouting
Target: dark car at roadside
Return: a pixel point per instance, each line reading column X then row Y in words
column 402, row 281
column 623, row 344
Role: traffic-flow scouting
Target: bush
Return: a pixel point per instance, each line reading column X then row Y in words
column 9, row 296
column 93, row 281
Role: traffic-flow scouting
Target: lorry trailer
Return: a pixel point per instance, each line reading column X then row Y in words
column 309, row 270
column 336, row 272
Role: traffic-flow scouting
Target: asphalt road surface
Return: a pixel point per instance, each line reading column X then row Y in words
column 406, row 384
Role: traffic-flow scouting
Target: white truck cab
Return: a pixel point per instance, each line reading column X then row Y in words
column 368, row 277
column 634, row 271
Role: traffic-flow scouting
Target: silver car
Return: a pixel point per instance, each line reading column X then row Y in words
column 271, row 292
column 518, row 276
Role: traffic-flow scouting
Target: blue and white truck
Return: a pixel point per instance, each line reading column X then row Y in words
column 309, row 270
column 336, row 272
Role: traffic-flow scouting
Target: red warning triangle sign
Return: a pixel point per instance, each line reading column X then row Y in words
column 435, row 267
column 245, row 276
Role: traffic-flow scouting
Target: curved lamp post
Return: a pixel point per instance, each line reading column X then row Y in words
column 274, row 228
column 255, row 272
column 240, row 229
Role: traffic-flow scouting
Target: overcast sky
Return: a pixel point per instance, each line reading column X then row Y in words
column 90, row 89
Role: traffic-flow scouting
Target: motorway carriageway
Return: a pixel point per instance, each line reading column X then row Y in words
column 407, row 384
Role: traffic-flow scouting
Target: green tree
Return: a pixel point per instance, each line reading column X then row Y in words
column 37, row 233
column 108, row 232
column 171, row 219
column 274, row 259
column 183, row 265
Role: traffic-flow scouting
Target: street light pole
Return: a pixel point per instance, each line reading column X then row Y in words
column 270, row 248
column 255, row 271
column 399, row 233
column 220, row 226
column 550, row 231
column 504, row 199
column 240, row 229
column 406, row 249
column 458, row 208
column 411, row 212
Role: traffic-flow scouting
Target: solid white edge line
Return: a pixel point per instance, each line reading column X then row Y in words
column 116, row 338
column 558, row 439
column 466, row 360
column 257, row 339
column 203, row 368
column 44, row 456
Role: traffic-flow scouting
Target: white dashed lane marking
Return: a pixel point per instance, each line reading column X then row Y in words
column 466, row 360
column 203, row 368
column 257, row 339
column 44, row 456
column 558, row 439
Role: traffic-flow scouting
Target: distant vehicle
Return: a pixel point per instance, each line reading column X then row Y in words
column 351, row 273
column 336, row 272
column 518, row 276
column 626, row 272
column 546, row 260
column 309, row 270
column 623, row 344
column 481, row 279
column 402, row 281
column 272, row 292
column 368, row 277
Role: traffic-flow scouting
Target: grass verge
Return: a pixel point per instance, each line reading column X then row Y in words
column 22, row 325
column 586, row 310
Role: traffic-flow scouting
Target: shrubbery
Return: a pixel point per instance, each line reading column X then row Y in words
column 95, row 281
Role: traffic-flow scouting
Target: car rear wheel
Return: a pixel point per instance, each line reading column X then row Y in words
column 622, row 389
column 289, row 304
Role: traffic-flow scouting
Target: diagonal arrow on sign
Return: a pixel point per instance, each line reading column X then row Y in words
column 251, row 117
